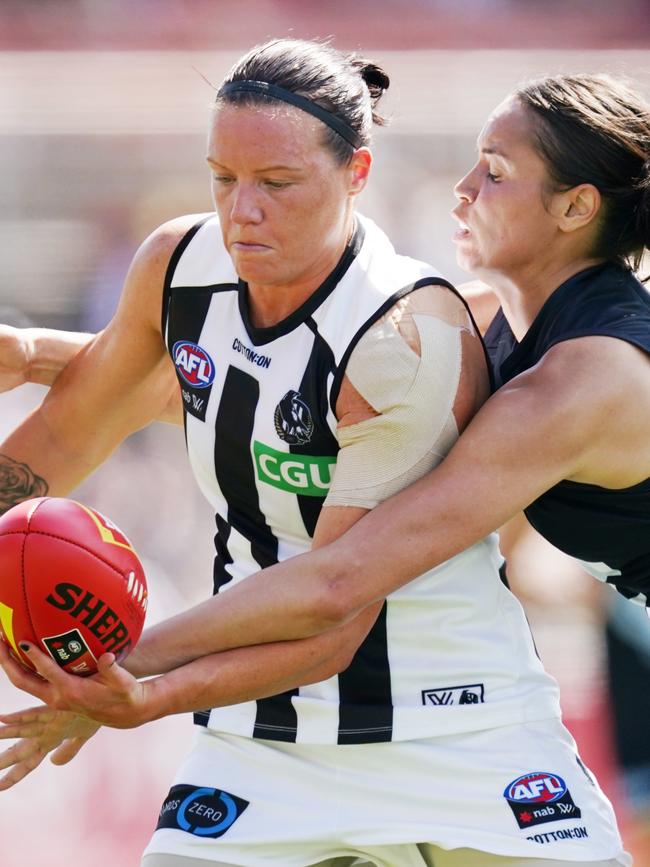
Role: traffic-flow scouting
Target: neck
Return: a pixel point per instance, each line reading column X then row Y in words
column 269, row 304
column 522, row 295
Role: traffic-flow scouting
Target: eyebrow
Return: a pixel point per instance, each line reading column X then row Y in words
column 494, row 150
column 278, row 168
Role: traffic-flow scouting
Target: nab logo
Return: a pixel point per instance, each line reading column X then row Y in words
column 70, row 651
column 193, row 363
column 536, row 788
column 540, row 797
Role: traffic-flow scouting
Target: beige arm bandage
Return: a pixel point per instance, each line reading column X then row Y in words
column 414, row 398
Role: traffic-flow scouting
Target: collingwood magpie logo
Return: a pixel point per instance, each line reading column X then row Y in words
column 293, row 421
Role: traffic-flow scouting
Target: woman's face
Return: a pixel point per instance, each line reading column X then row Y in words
column 506, row 226
column 283, row 202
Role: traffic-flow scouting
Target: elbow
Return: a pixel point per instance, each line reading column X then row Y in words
column 344, row 659
column 334, row 664
column 326, row 591
column 335, row 603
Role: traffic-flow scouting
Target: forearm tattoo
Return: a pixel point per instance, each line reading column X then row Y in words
column 17, row 483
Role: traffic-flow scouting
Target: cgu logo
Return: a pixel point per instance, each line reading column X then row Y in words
column 538, row 787
column 309, row 475
column 193, row 363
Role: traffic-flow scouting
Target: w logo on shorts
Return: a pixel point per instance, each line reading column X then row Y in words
column 471, row 693
column 200, row 811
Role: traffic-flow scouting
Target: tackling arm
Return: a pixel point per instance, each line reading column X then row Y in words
column 537, row 430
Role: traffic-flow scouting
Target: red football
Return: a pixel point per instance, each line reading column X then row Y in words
column 70, row 582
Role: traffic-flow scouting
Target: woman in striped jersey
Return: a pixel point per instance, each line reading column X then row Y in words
column 320, row 372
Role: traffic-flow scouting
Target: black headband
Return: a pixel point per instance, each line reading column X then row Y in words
column 333, row 121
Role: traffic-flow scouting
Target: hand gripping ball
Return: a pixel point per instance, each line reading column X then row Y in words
column 70, row 583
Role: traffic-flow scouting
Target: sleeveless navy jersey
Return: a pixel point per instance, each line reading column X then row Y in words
column 608, row 530
column 262, row 442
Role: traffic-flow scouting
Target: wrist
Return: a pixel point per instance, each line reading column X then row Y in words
column 136, row 664
column 156, row 702
column 28, row 349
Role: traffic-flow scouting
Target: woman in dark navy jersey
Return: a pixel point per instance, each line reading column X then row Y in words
column 595, row 515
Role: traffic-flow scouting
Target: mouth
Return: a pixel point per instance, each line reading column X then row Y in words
column 463, row 231
column 248, row 247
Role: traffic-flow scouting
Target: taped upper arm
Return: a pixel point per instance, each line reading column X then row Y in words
column 412, row 382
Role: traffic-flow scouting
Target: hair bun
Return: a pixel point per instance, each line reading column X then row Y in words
column 376, row 81
column 375, row 78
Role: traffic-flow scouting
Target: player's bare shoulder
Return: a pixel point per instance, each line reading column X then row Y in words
column 145, row 279
column 159, row 246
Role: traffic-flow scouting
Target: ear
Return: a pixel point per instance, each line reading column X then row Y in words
column 359, row 170
column 577, row 207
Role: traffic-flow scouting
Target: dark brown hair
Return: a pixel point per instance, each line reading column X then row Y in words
column 595, row 129
column 344, row 84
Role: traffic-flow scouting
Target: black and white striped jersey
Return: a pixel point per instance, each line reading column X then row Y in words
column 449, row 652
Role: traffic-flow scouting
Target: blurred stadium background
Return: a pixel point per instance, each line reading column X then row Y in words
column 103, row 112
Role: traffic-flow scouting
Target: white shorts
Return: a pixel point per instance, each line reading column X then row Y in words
column 517, row 791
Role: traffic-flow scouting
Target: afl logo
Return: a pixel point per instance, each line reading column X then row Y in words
column 293, row 421
column 193, row 364
column 536, row 788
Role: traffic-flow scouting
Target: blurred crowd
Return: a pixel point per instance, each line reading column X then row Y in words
column 103, row 108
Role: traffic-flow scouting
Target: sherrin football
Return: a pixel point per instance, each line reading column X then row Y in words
column 70, row 583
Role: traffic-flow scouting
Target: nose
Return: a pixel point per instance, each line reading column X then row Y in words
column 245, row 205
column 465, row 189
